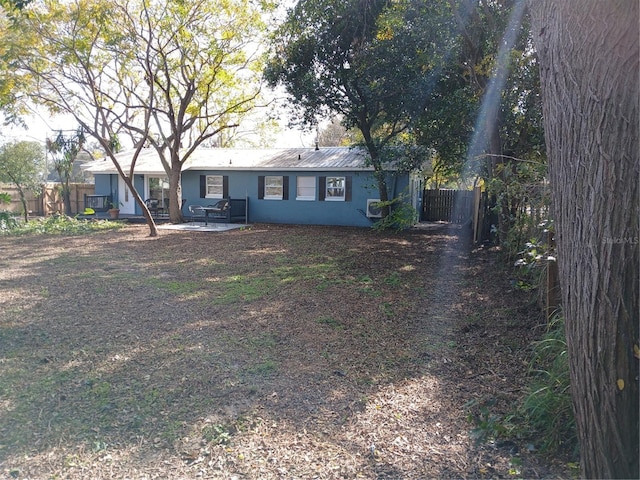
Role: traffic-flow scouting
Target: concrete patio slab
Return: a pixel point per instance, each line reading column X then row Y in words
column 201, row 227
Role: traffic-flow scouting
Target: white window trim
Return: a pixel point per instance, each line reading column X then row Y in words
column 266, row 184
column 306, row 197
column 214, row 195
column 329, row 198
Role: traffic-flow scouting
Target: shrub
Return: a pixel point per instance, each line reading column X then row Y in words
column 56, row 225
column 401, row 216
column 7, row 221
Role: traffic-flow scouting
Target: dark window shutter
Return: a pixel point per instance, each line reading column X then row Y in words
column 260, row 187
column 203, row 186
column 225, row 186
column 347, row 188
column 322, row 187
column 285, row 187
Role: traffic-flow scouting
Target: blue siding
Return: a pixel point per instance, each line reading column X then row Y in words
column 103, row 184
column 138, row 182
column 244, row 184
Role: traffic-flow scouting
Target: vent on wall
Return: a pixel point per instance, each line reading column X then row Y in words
column 373, row 211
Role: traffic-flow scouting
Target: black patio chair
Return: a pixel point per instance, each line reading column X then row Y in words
column 195, row 212
column 153, row 206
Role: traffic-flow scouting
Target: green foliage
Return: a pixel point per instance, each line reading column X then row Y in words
column 402, row 216
column 544, row 418
column 547, row 407
column 7, row 221
column 164, row 73
column 521, row 202
column 64, row 150
column 57, row 225
column 404, row 155
column 488, row 426
column 216, row 434
column 532, row 263
column 331, row 322
column 371, row 65
column 453, row 111
column 10, row 4
column 21, row 164
column 5, row 198
column 448, row 123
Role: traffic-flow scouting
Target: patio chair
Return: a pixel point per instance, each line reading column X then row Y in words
column 152, row 205
column 219, row 208
column 195, row 212
column 218, row 212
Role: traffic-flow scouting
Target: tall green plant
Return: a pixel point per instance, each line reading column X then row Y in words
column 547, row 407
column 64, row 150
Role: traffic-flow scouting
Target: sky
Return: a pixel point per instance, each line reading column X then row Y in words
column 41, row 126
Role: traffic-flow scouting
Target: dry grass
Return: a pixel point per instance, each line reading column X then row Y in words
column 270, row 352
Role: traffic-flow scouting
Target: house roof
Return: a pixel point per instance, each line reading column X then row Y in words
column 282, row 159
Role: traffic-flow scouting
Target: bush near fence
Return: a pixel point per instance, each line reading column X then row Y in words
column 50, row 200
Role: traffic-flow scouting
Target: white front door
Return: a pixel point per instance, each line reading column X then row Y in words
column 127, row 202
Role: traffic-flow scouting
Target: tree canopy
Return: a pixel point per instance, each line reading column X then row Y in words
column 64, row 150
column 168, row 75
column 371, row 62
column 22, row 164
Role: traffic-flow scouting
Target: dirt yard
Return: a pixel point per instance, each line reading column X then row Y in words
column 272, row 352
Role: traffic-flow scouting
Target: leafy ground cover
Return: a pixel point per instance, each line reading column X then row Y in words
column 263, row 353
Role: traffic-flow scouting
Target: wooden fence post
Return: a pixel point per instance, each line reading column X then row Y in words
column 477, row 192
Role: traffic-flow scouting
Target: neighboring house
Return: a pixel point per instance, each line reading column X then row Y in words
column 327, row 186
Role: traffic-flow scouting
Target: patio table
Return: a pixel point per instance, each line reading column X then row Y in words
column 213, row 211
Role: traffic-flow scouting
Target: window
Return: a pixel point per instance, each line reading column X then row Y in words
column 159, row 190
column 273, row 187
column 215, row 186
column 335, row 188
column 306, row 188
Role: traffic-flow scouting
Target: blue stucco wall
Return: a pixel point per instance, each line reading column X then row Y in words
column 244, row 184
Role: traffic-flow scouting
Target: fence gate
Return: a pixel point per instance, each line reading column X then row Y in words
column 455, row 206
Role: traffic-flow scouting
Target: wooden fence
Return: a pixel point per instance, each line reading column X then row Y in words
column 49, row 201
column 455, row 206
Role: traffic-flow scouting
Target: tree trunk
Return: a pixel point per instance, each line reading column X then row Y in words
column 66, row 198
column 175, row 193
column 153, row 229
column 589, row 63
column 378, row 169
column 23, row 200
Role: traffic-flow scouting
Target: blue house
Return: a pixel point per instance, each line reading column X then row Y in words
column 326, row 186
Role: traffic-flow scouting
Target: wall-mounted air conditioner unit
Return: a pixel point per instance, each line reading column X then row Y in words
column 373, row 211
